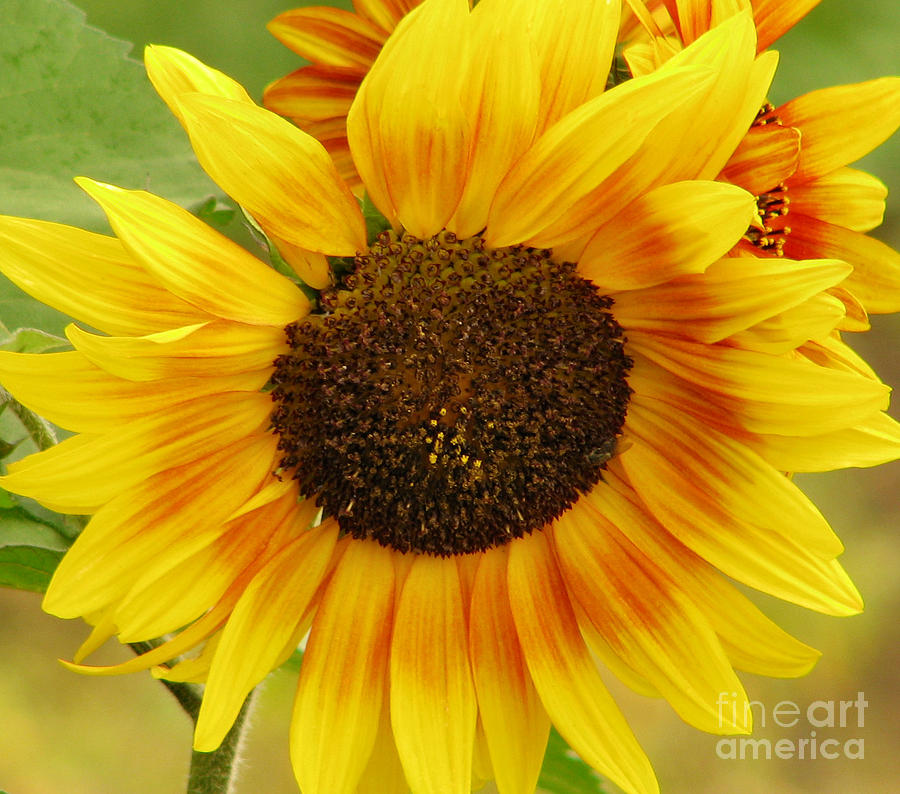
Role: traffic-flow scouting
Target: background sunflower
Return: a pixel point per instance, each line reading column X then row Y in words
column 76, row 734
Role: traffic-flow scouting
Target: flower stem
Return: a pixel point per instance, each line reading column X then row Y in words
column 213, row 772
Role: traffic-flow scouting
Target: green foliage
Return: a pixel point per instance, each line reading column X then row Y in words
column 72, row 103
column 29, row 340
column 564, row 772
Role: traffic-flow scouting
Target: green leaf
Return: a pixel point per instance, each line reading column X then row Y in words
column 27, row 567
column 30, row 550
column 72, row 103
column 564, row 772
column 214, row 213
column 29, row 340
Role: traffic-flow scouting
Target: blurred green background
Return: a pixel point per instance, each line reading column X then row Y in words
column 61, row 733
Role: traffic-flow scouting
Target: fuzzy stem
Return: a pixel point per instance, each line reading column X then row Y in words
column 213, row 772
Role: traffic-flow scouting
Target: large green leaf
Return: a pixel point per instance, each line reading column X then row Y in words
column 73, row 103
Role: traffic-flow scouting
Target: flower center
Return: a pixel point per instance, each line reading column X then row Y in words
column 450, row 397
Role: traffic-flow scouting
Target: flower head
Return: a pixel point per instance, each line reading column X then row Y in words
column 539, row 416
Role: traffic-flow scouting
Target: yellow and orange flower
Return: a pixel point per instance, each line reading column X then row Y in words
column 830, row 205
column 538, row 419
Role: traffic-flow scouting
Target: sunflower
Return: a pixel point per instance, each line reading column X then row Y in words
column 536, row 418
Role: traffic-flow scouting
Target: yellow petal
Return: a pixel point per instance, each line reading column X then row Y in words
column 95, row 401
column 846, row 197
column 383, row 773
column 407, row 128
column 871, row 442
column 708, row 497
column 217, row 349
column 751, row 641
column 564, row 673
column 501, row 93
column 559, row 182
column 195, row 262
column 574, row 43
column 732, row 295
column 515, row 723
column 784, row 332
column 81, row 473
column 645, row 619
column 174, row 72
column 90, row 277
column 672, row 230
column 282, row 176
column 340, row 693
column 742, row 83
column 140, row 535
column 767, row 393
column 433, row 705
column 260, row 628
column 842, row 123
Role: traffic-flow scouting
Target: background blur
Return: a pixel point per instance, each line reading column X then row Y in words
column 61, row 733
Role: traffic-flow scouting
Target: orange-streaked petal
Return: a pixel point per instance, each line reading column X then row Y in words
column 260, row 628
column 501, row 93
column 195, row 262
column 89, row 276
column 768, row 393
column 80, row 474
column 97, row 402
column 384, row 13
column 331, row 36
column 766, row 157
column 564, row 673
column 670, row 231
column 842, row 123
column 846, row 197
column 131, row 534
column 340, row 692
column 788, row 554
column 732, row 295
column 515, row 723
column 645, row 619
column 875, row 279
column 433, row 707
column 775, row 17
column 313, row 93
column 282, row 176
column 574, row 42
column 407, row 128
column 560, row 179
column 767, row 649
